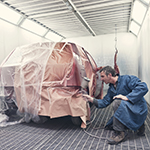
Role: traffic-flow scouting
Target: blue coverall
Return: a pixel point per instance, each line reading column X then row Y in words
column 131, row 113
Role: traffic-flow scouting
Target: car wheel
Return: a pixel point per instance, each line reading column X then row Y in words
column 76, row 121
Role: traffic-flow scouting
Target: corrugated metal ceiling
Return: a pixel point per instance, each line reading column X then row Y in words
column 76, row 18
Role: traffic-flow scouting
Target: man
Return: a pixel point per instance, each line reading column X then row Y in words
column 130, row 108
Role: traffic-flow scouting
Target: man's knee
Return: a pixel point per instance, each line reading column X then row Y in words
column 116, row 104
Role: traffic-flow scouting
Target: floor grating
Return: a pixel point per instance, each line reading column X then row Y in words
column 61, row 134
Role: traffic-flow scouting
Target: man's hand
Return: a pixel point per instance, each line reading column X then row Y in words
column 88, row 98
column 121, row 97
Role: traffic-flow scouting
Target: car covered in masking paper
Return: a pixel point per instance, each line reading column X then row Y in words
column 48, row 79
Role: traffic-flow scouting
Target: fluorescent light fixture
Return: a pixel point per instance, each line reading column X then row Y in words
column 146, row 1
column 53, row 37
column 33, row 27
column 134, row 28
column 9, row 15
column 139, row 11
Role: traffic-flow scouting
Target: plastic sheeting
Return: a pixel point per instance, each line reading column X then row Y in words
column 4, row 121
column 45, row 79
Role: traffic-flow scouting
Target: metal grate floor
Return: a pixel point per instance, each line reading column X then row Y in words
column 61, row 134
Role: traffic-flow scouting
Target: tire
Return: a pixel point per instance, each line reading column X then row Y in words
column 76, row 121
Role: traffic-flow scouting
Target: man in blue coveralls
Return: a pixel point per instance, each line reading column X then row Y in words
column 130, row 108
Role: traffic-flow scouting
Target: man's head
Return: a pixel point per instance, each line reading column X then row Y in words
column 108, row 74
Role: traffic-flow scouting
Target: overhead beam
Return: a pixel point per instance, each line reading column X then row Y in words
column 73, row 9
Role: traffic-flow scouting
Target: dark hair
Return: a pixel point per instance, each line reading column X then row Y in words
column 108, row 70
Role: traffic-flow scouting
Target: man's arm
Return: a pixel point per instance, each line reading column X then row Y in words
column 138, row 89
column 100, row 103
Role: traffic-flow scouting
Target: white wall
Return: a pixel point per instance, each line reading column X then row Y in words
column 144, row 53
column 12, row 36
column 102, row 48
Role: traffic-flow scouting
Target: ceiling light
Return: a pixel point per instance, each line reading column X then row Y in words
column 146, row 1
column 9, row 15
column 33, row 27
column 139, row 11
column 134, row 28
column 53, row 37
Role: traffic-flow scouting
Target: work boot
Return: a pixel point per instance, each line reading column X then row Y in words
column 141, row 130
column 109, row 127
column 118, row 137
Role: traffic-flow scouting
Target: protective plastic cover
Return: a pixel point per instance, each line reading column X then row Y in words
column 45, row 79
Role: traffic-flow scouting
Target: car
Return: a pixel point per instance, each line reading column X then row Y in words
column 48, row 79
